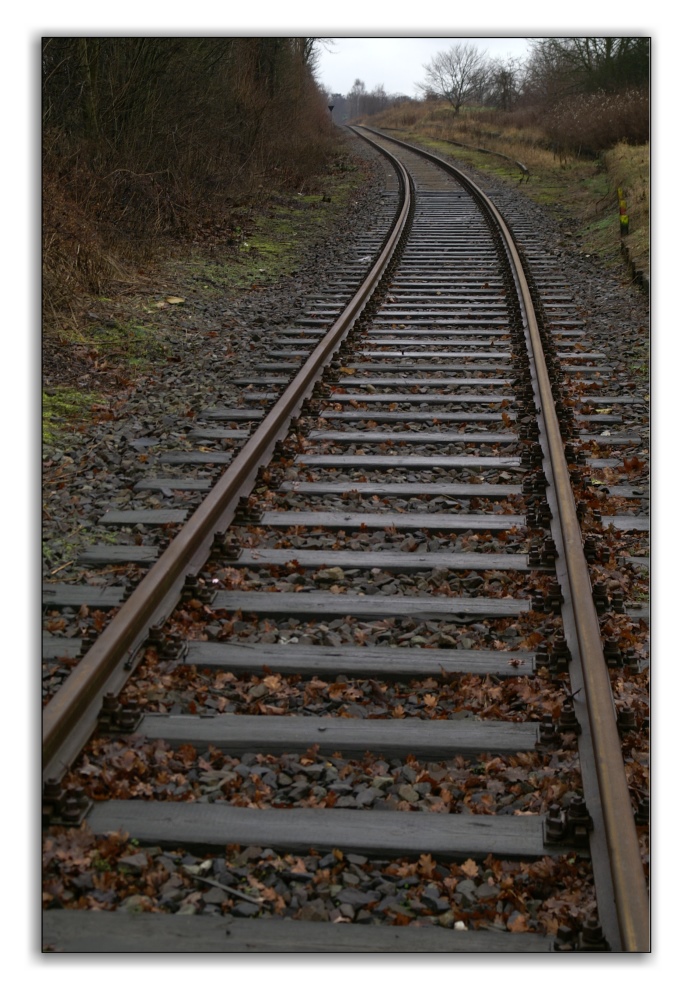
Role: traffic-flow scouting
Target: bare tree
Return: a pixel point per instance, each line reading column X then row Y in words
column 503, row 84
column 559, row 67
column 456, row 75
column 354, row 97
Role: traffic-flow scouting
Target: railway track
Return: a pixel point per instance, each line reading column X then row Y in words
column 405, row 531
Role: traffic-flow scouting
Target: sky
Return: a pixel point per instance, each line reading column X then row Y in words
column 396, row 63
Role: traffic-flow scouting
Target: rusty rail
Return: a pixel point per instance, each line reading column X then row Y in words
column 629, row 886
column 71, row 716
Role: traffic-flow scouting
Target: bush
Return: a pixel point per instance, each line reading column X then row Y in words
column 593, row 122
column 144, row 138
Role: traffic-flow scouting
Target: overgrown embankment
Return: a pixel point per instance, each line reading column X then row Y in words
column 172, row 169
column 154, row 145
column 125, row 333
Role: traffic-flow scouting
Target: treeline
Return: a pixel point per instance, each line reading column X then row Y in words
column 556, row 68
column 582, row 91
column 588, row 94
column 144, row 137
column 360, row 101
column 561, row 67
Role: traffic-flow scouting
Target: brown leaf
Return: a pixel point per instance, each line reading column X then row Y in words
column 470, row 868
column 400, row 919
column 335, row 691
column 187, row 753
column 426, row 865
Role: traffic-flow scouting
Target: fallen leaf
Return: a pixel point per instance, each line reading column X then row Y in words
column 426, row 865
column 470, row 868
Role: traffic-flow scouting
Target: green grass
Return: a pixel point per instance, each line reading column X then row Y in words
column 599, row 237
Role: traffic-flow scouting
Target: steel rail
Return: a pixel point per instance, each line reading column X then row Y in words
column 71, row 716
column 631, row 896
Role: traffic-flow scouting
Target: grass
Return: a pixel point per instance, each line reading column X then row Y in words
column 125, row 349
column 628, row 168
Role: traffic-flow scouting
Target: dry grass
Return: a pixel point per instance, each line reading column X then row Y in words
column 629, row 169
column 595, row 122
column 79, row 261
column 478, row 130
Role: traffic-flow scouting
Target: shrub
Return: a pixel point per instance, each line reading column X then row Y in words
column 143, row 138
column 593, row 122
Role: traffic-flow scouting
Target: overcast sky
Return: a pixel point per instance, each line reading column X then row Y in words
column 396, row 63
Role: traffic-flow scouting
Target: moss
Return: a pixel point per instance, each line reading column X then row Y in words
column 62, row 551
column 129, row 342
column 64, row 408
column 124, row 345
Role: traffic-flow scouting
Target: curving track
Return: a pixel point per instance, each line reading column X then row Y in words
column 413, row 487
